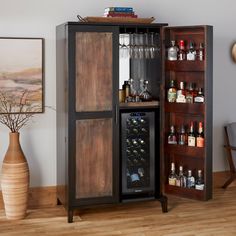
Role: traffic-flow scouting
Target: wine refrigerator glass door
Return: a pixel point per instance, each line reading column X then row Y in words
column 138, row 152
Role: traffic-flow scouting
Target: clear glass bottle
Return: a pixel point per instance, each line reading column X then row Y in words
column 181, row 178
column 182, row 140
column 172, row 92
column 145, row 95
column 200, row 52
column 199, row 184
column 190, row 180
column 191, row 53
column 181, row 53
column 200, row 135
column 191, row 136
column 181, row 93
column 172, row 175
column 172, row 139
column 200, row 96
column 133, row 92
column 172, row 52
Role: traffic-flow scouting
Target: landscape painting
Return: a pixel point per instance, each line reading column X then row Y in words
column 21, row 71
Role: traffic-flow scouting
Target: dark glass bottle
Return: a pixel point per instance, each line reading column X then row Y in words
column 200, row 96
column 199, row 184
column 190, row 94
column 172, row 139
column 182, row 136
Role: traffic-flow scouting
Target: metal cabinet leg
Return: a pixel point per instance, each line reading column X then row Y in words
column 70, row 216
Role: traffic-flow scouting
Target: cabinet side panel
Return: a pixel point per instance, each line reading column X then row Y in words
column 93, row 158
column 93, row 71
column 62, row 114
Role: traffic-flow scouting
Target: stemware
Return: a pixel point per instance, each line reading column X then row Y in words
column 153, row 47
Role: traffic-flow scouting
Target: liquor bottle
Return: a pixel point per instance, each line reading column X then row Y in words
column 172, row 139
column 191, row 53
column 172, row 176
column 191, row 136
column 182, row 136
column 144, row 130
column 141, row 142
column 190, row 180
column 199, row 184
column 200, row 52
column 200, row 135
column 200, row 96
column 142, row 121
column 134, row 121
column 172, row 92
column 190, row 93
column 141, row 174
column 172, row 52
column 128, row 143
column 128, row 177
column 135, row 179
column 135, row 143
column 181, row 53
column 181, row 179
column 126, row 88
column 181, row 93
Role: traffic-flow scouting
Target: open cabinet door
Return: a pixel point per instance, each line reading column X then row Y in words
column 181, row 114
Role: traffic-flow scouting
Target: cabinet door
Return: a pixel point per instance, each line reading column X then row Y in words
column 93, row 110
column 199, row 73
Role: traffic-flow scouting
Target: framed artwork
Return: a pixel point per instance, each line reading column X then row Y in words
column 22, row 72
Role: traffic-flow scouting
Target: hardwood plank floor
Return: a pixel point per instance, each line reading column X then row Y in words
column 216, row 217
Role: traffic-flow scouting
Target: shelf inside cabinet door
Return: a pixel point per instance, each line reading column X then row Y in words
column 187, row 108
column 184, row 150
column 185, row 192
column 185, row 66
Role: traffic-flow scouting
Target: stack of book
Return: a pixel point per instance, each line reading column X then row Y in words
column 120, row 12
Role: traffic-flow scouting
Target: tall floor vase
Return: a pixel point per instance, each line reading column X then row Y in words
column 15, row 180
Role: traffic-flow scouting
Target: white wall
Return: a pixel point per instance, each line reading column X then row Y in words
column 27, row 18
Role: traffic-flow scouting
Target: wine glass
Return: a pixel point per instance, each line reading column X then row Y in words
column 146, row 47
column 153, row 47
column 124, row 50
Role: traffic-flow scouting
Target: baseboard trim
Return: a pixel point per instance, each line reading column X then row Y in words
column 39, row 197
column 46, row 196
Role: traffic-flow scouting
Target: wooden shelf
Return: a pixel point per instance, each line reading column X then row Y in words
column 189, row 108
column 130, row 105
column 184, row 66
column 184, row 150
column 185, row 192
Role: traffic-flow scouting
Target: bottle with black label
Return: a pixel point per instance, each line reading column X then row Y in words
column 199, row 184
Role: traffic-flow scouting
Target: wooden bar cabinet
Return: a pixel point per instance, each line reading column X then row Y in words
column 91, row 122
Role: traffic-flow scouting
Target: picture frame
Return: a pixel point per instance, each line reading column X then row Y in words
column 22, row 72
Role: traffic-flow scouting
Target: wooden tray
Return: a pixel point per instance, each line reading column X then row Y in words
column 97, row 19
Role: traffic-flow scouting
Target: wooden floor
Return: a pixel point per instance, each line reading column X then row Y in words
column 185, row 217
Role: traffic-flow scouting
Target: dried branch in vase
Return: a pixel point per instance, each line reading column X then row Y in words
column 15, row 114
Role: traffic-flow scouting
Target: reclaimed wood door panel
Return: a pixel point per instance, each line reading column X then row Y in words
column 94, row 158
column 93, row 71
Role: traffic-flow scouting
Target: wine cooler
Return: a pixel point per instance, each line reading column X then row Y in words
column 138, row 151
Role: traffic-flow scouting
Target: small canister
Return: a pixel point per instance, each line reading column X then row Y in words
column 126, row 88
column 121, row 95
